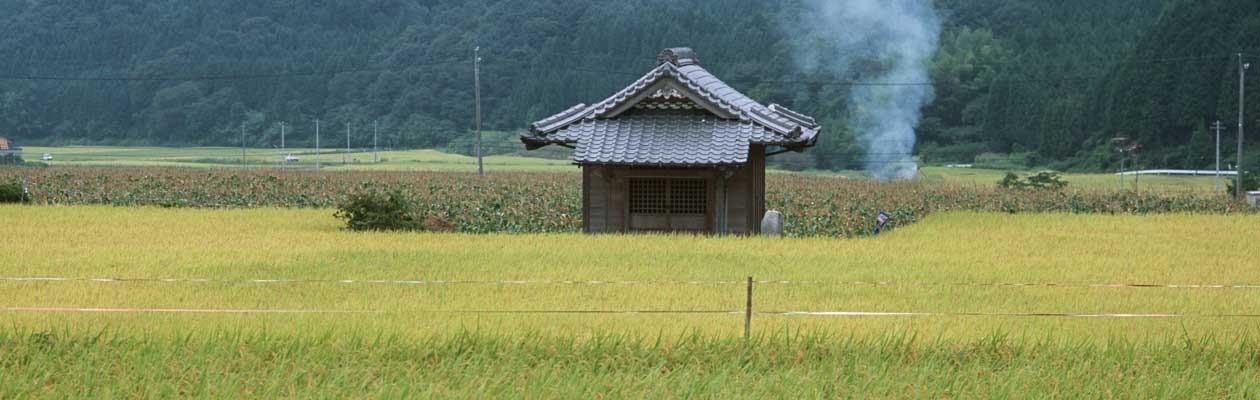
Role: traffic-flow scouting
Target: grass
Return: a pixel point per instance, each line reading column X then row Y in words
column 331, row 159
column 47, row 365
column 418, row 346
column 433, row 160
column 989, row 177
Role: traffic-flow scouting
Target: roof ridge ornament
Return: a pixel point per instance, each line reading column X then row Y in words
column 679, row 56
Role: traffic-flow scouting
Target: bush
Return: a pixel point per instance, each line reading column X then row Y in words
column 1046, row 180
column 1042, row 180
column 1251, row 181
column 11, row 192
column 376, row 211
column 11, row 159
column 1011, row 181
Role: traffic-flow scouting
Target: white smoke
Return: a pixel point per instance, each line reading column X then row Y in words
column 877, row 41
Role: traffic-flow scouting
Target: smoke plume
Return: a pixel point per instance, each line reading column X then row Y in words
column 873, row 41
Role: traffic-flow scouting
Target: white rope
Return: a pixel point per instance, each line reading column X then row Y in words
column 630, row 282
column 175, row 310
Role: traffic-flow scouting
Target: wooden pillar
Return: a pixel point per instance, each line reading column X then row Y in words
column 588, row 173
column 723, row 213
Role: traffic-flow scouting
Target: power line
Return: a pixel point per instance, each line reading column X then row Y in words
column 216, row 77
column 532, row 65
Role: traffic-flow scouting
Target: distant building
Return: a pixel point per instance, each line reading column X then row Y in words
column 676, row 151
column 7, row 147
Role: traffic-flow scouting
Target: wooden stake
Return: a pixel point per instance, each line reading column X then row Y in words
column 748, row 311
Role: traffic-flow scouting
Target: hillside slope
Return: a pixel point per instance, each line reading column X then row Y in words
column 1011, row 76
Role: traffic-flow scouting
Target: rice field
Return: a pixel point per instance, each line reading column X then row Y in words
column 946, row 264
column 49, row 365
column 153, row 302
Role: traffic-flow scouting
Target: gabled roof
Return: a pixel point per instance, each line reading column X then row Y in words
column 676, row 114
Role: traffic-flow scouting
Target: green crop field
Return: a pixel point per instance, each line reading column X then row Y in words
column 1101, row 181
column 330, row 159
column 283, row 302
column 434, row 160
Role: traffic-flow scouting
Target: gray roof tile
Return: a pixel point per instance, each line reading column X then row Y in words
column 661, row 138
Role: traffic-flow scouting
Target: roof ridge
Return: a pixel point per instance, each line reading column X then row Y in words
column 797, row 117
column 554, row 122
column 780, row 124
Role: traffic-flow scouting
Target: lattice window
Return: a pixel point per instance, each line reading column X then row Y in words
column 668, row 196
column 687, row 196
column 648, row 196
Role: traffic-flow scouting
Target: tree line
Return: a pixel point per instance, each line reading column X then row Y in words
column 1050, row 82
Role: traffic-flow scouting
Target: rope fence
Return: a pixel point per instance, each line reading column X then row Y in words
column 748, row 312
column 624, row 312
column 851, row 313
column 635, row 282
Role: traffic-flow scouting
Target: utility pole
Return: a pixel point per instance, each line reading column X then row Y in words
column 281, row 135
column 477, row 96
column 1137, row 175
column 1122, row 156
column 376, row 155
column 1126, row 148
column 317, row 145
column 1218, row 127
column 242, row 143
column 345, row 157
column 1242, row 80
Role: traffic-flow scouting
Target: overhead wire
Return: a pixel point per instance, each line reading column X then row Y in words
column 532, row 65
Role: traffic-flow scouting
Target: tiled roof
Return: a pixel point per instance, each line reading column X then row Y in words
column 4, row 143
column 664, row 137
column 638, row 125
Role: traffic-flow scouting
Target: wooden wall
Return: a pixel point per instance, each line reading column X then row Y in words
column 606, row 197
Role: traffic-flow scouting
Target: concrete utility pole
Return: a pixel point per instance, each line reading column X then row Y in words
column 1137, row 175
column 281, row 135
column 242, row 143
column 345, row 157
column 1122, row 170
column 376, row 155
column 1126, row 148
column 477, row 96
column 1242, row 80
column 317, row 145
column 1218, row 128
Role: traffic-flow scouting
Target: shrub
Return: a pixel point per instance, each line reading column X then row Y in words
column 1042, row 180
column 11, row 159
column 1251, row 181
column 1046, row 180
column 11, row 192
column 1011, row 181
column 376, row 211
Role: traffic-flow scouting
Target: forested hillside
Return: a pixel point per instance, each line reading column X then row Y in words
column 1181, row 78
column 1047, row 81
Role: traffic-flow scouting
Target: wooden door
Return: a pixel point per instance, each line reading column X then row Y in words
column 669, row 204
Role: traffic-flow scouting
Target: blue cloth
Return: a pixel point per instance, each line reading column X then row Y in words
column 880, row 220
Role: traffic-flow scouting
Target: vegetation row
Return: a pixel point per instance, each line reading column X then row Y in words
column 551, row 202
